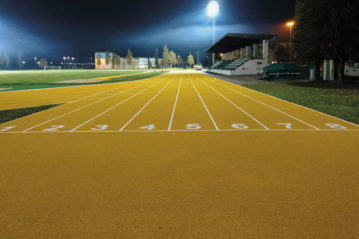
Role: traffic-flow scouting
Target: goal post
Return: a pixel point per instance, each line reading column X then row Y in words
column 49, row 68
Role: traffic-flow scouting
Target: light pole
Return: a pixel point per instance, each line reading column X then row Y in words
column 212, row 12
column 290, row 25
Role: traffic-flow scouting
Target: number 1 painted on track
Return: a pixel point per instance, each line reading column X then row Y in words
column 287, row 125
column 149, row 127
column 7, row 128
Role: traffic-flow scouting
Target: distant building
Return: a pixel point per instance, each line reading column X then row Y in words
column 121, row 63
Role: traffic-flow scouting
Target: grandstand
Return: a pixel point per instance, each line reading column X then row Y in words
column 241, row 54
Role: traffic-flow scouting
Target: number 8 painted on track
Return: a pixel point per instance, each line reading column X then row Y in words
column 335, row 126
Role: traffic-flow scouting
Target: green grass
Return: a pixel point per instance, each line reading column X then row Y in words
column 338, row 100
column 24, row 80
column 8, row 115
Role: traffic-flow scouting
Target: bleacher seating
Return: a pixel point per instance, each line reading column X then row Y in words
column 230, row 65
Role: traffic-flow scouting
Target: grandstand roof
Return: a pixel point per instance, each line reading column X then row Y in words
column 233, row 41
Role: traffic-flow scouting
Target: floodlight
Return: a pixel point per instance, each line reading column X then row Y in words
column 212, row 9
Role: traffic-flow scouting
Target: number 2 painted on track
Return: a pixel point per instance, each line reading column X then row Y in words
column 100, row 127
column 7, row 128
column 54, row 128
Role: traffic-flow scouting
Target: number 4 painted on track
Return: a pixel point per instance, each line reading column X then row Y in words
column 287, row 125
column 7, row 128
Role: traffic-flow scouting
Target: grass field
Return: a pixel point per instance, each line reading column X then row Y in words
column 8, row 115
column 24, row 80
column 327, row 97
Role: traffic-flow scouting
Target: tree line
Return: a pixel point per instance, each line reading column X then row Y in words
column 169, row 59
column 327, row 29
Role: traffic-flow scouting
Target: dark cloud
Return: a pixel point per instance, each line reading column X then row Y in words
column 79, row 27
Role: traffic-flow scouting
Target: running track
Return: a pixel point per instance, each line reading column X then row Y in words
column 175, row 156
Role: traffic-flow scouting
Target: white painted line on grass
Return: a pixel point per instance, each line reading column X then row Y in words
column 154, row 97
column 175, row 105
column 111, row 108
column 235, row 105
column 205, row 106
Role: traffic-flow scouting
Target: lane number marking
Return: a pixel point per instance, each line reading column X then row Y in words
column 7, row 128
column 239, row 126
column 287, row 125
column 335, row 126
column 100, row 127
column 54, row 128
column 193, row 126
column 149, row 127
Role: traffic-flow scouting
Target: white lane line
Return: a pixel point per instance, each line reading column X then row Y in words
column 276, row 109
column 235, row 105
column 175, row 105
column 154, row 97
column 85, row 106
column 205, row 106
column 201, row 130
column 111, row 108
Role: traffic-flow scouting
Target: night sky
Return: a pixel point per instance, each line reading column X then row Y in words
column 53, row 28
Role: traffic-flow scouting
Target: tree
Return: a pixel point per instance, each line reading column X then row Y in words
column 43, row 63
column 2, row 60
column 107, row 58
column 180, row 61
column 327, row 29
column 173, row 58
column 165, row 56
column 281, row 53
column 5, row 61
column 115, row 60
column 98, row 60
column 157, row 55
column 20, row 60
column 190, row 60
column 129, row 57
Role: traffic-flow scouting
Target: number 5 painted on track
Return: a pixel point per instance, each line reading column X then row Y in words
column 7, row 128
column 100, row 127
column 193, row 126
column 287, row 125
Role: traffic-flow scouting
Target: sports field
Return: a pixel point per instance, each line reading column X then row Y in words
column 181, row 155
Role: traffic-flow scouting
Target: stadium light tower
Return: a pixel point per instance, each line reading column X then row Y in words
column 212, row 12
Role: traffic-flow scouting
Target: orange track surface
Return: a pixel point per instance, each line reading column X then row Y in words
column 175, row 156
